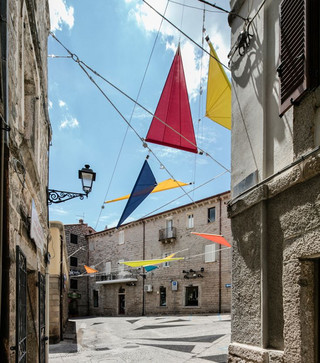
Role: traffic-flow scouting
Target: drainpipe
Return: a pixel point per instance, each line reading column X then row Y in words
column 47, row 312
column 61, row 289
column 220, row 254
column 143, row 270
column 264, row 287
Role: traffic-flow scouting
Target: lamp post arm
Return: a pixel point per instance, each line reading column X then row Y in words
column 59, row 196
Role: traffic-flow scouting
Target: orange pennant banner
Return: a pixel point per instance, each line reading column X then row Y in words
column 90, row 270
column 214, row 238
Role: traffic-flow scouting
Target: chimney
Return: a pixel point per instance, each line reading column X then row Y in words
column 81, row 221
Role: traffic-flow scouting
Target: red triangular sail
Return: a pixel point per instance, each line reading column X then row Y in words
column 174, row 110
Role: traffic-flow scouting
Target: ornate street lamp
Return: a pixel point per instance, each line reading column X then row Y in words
column 87, row 176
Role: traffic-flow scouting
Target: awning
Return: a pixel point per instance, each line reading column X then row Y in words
column 117, row 281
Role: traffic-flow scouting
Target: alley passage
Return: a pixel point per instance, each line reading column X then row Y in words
column 146, row 339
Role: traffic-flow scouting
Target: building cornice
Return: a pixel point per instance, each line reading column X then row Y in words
column 301, row 170
column 170, row 212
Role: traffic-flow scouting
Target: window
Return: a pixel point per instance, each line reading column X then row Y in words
column 192, row 296
column 211, row 214
column 210, row 253
column 166, row 264
column 190, row 221
column 73, row 261
column 169, row 228
column 121, row 266
column 73, row 284
column 95, row 298
column 108, row 268
column 73, row 238
column 163, row 296
column 121, row 237
column 299, row 55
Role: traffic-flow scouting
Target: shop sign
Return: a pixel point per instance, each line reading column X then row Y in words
column 74, row 295
column 36, row 232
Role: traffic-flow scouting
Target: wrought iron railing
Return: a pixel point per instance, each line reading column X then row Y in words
column 167, row 234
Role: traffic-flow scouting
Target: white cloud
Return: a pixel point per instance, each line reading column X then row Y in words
column 194, row 60
column 167, row 152
column 62, row 103
column 50, row 104
column 69, row 123
column 60, row 14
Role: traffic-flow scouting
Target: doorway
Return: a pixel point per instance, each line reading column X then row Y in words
column 121, row 302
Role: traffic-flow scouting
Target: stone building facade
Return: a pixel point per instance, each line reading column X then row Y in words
column 25, row 138
column 201, row 283
column 77, row 246
column 274, row 209
column 58, row 282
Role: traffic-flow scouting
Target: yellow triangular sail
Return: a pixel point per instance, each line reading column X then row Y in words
column 164, row 185
column 150, row 262
column 218, row 107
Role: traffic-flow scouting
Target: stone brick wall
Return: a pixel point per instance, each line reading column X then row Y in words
column 29, row 138
column 80, row 252
column 141, row 240
column 54, row 308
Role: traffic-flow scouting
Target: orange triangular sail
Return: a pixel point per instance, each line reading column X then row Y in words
column 90, row 270
column 176, row 129
column 214, row 238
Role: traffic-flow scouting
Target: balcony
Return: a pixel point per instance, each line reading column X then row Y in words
column 167, row 235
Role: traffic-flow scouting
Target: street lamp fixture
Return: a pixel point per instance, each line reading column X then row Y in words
column 87, row 176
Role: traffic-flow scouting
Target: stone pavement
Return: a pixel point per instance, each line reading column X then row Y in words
column 175, row 339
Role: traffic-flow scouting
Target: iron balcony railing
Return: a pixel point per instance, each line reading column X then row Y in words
column 167, row 234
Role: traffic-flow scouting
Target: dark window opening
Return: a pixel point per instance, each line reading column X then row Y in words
column 163, row 296
column 95, row 298
column 74, row 261
column 211, row 214
column 73, row 284
column 73, row 238
column 192, row 296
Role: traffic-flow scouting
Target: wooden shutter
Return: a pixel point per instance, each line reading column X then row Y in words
column 298, row 49
column 292, row 70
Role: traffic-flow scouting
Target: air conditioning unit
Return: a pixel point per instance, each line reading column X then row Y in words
column 147, row 288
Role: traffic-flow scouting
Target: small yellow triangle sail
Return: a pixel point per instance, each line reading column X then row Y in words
column 164, row 185
column 90, row 270
column 218, row 107
column 151, row 262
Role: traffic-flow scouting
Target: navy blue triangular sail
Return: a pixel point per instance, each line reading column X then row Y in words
column 144, row 185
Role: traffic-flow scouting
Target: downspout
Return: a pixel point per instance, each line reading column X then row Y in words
column 88, row 282
column 264, row 275
column 61, row 289
column 143, row 270
column 220, row 255
column 47, row 312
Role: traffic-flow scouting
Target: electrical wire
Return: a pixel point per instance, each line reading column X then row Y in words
column 260, row 7
column 181, row 196
column 223, row 10
column 200, row 95
column 82, row 64
column 134, row 107
column 187, row 36
column 194, row 7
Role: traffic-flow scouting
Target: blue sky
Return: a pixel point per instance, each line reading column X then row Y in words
column 115, row 38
